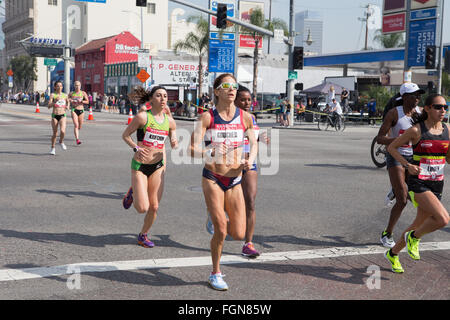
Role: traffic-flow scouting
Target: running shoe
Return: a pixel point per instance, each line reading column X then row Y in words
column 413, row 245
column 78, row 142
column 53, row 151
column 63, row 146
column 389, row 200
column 395, row 263
column 387, row 240
column 209, row 224
column 217, row 283
column 128, row 199
column 248, row 250
column 144, row 241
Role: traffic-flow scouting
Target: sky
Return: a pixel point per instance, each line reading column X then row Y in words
column 343, row 32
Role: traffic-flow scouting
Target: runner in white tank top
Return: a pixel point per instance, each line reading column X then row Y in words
column 396, row 122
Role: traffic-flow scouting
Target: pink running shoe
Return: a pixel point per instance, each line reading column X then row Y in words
column 248, row 250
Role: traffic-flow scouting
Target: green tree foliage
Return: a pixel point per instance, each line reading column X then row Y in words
column 196, row 42
column 257, row 19
column 391, row 40
column 25, row 69
column 380, row 94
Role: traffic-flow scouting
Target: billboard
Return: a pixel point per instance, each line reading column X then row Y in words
column 245, row 11
column 421, row 4
column 390, row 6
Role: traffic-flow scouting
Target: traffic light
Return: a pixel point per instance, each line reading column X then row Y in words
column 430, row 57
column 299, row 86
column 221, row 16
column 141, row 3
column 298, row 58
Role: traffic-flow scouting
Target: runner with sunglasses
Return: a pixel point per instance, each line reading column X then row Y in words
column 59, row 102
column 148, row 165
column 250, row 177
column 77, row 100
column 430, row 139
column 223, row 129
column 396, row 122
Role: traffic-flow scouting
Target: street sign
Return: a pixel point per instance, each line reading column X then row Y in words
column 422, row 33
column 144, row 58
column 221, row 56
column 423, row 14
column 225, row 36
column 292, row 75
column 143, row 75
column 421, row 4
column 393, row 23
column 278, row 35
column 50, row 62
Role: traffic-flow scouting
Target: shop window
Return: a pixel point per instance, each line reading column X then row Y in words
column 52, row 2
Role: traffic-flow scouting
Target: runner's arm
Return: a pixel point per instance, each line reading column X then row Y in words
column 412, row 134
column 173, row 133
column 138, row 122
column 390, row 118
column 248, row 121
column 195, row 148
column 85, row 98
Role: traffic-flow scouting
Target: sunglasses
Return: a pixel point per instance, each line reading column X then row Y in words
column 440, row 106
column 228, row 85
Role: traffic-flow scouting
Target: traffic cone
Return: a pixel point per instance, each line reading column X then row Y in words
column 130, row 116
column 91, row 116
column 37, row 108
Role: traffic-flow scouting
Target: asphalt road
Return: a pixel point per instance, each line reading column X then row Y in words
column 319, row 217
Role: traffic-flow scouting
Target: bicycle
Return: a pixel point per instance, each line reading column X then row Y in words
column 325, row 120
column 378, row 153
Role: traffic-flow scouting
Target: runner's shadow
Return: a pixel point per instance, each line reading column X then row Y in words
column 350, row 275
column 165, row 241
column 290, row 239
column 73, row 238
column 72, row 194
column 341, row 166
column 25, row 153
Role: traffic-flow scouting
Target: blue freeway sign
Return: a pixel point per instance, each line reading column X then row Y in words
column 221, row 56
column 422, row 33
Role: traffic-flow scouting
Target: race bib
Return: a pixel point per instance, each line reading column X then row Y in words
column 61, row 103
column 432, row 169
column 155, row 138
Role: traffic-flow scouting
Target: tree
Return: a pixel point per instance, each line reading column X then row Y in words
column 24, row 68
column 196, row 42
column 391, row 40
column 446, row 84
column 257, row 19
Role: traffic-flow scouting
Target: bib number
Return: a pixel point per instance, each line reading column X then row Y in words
column 432, row 169
column 155, row 138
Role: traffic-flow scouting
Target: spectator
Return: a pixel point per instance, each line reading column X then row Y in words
column 372, row 108
column 344, row 99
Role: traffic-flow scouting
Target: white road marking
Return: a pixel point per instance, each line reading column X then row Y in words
column 44, row 272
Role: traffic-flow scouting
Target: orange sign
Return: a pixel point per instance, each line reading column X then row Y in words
column 143, row 75
column 10, row 73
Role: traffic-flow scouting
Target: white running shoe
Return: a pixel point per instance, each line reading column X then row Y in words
column 389, row 200
column 63, row 146
column 387, row 240
column 53, row 151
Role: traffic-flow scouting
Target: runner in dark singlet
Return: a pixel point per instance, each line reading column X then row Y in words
column 430, row 139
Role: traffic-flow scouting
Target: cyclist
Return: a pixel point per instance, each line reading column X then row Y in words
column 396, row 122
column 430, row 138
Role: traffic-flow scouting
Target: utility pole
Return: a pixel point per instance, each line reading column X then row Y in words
column 407, row 73
column 441, row 48
column 366, row 20
column 290, row 92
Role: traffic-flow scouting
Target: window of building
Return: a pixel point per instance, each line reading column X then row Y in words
column 52, row 2
column 151, row 8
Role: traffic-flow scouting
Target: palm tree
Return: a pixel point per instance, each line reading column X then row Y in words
column 391, row 40
column 257, row 19
column 196, row 42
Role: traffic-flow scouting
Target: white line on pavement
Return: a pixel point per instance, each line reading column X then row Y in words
column 43, row 272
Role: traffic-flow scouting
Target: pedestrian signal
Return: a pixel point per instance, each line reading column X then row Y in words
column 221, row 16
column 430, row 57
column 298, row 58
column 299, row 86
